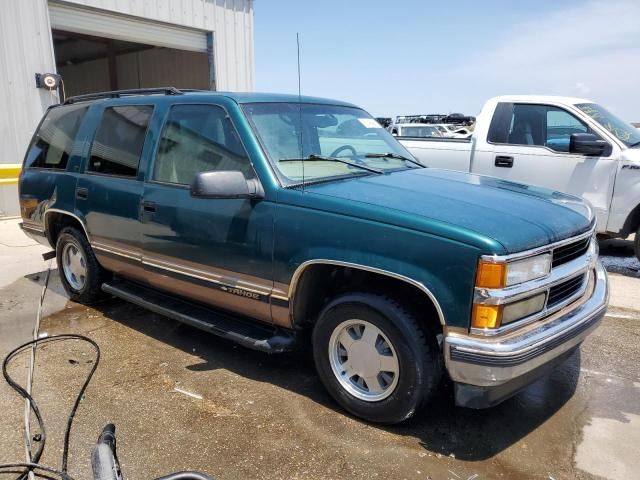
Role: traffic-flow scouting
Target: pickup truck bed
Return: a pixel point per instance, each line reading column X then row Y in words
column 450, row 153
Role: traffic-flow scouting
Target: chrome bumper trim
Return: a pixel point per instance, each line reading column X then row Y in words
column 494, row 361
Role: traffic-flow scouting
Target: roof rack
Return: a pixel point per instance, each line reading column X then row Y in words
column 121, row 93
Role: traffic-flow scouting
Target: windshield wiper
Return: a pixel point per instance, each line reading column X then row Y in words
column 394, row 155
column 321, row 158
column 633, row 145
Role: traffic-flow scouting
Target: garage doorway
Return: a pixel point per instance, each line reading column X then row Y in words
column 95, row 64
column 98, row 50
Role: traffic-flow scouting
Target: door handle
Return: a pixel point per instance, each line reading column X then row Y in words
column 149, row 206
column 504, row 161
column 82, row 193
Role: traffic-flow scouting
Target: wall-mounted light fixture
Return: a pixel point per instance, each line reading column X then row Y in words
column 49, row 81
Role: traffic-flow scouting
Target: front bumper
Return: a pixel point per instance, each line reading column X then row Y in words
column 489, row 370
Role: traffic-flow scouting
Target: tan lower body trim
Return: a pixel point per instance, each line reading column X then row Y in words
column 239, row 293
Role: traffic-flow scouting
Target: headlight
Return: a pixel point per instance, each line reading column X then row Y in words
column 503, row 274
column 523, row 308
column 494, row 316
column 528, row 269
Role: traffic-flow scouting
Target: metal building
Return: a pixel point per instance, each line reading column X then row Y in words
column 99, row 45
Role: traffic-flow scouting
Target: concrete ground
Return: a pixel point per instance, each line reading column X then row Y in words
column 182, row 399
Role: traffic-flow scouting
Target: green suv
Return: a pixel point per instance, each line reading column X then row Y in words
column 282, row 222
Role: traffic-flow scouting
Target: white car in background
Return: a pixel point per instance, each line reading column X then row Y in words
column 566, row 144
column 415, row 130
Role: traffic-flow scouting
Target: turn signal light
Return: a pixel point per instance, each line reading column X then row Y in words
column 491, row 275
column 486, row 316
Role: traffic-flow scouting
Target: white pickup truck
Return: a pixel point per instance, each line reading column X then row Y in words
column 566, row 144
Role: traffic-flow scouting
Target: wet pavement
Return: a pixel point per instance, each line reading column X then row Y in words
column 182, row 399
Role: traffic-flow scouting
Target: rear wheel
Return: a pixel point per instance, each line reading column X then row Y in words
column 81, row 275
column 374, row 358
column 636, row 244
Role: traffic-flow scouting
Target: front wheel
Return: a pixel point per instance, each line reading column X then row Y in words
column 374, row 358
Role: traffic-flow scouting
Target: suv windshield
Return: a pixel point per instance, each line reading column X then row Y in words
column 623, row 131
column 303, row 141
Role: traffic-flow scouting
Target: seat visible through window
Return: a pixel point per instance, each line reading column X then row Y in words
column 198, row 138
column 527, row 125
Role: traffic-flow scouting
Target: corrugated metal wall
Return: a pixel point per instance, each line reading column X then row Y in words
column 231, row 20
column 26, row 48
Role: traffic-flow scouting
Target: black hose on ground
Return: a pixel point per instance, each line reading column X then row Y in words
column 34, row 466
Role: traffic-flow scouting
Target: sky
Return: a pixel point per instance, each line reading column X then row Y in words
column 421, row 56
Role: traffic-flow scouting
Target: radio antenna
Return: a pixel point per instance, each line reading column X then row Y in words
column 300, row 142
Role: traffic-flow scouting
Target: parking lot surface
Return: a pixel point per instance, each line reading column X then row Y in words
column 182, row 399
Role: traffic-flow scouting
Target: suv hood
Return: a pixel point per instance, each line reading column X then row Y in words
column 464, row 206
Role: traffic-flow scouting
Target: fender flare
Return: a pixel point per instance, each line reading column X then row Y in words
column 303, row 266
column 63, row 212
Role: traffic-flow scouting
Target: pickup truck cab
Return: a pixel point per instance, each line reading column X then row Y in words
column 281, row 222
column 570, row 145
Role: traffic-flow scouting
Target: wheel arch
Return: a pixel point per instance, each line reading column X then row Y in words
column 55, row 220
column 632, row 223
column 311, row 275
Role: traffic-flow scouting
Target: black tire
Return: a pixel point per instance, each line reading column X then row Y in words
column 91, row 291
column 420, row 365
column 636, row 244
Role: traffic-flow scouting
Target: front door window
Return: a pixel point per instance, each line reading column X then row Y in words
column 198, row 138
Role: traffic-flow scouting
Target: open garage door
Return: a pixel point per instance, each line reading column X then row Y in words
column 96, row 50
column 121, row 27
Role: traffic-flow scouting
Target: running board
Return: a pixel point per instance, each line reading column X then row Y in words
column 250, row 334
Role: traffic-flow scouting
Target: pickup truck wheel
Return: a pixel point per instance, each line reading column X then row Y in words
column 374, row 358
column 81, row 275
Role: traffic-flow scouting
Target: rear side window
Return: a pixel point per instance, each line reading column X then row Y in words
column 198, row 138
column 119, row 140
column 53, row 143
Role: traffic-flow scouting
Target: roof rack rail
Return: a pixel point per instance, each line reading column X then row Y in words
column 121, row 93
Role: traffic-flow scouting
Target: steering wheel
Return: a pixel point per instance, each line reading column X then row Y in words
column 342, row 148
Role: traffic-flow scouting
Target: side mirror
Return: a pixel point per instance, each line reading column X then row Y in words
column 229, row 184
column 588, row 144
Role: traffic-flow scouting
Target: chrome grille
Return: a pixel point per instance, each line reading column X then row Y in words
column 572, row 263
column 561, row 292
column 571, row 251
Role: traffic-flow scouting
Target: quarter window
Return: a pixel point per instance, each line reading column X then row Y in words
column 119, row 140
column 55, row 140
column 198, row 138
